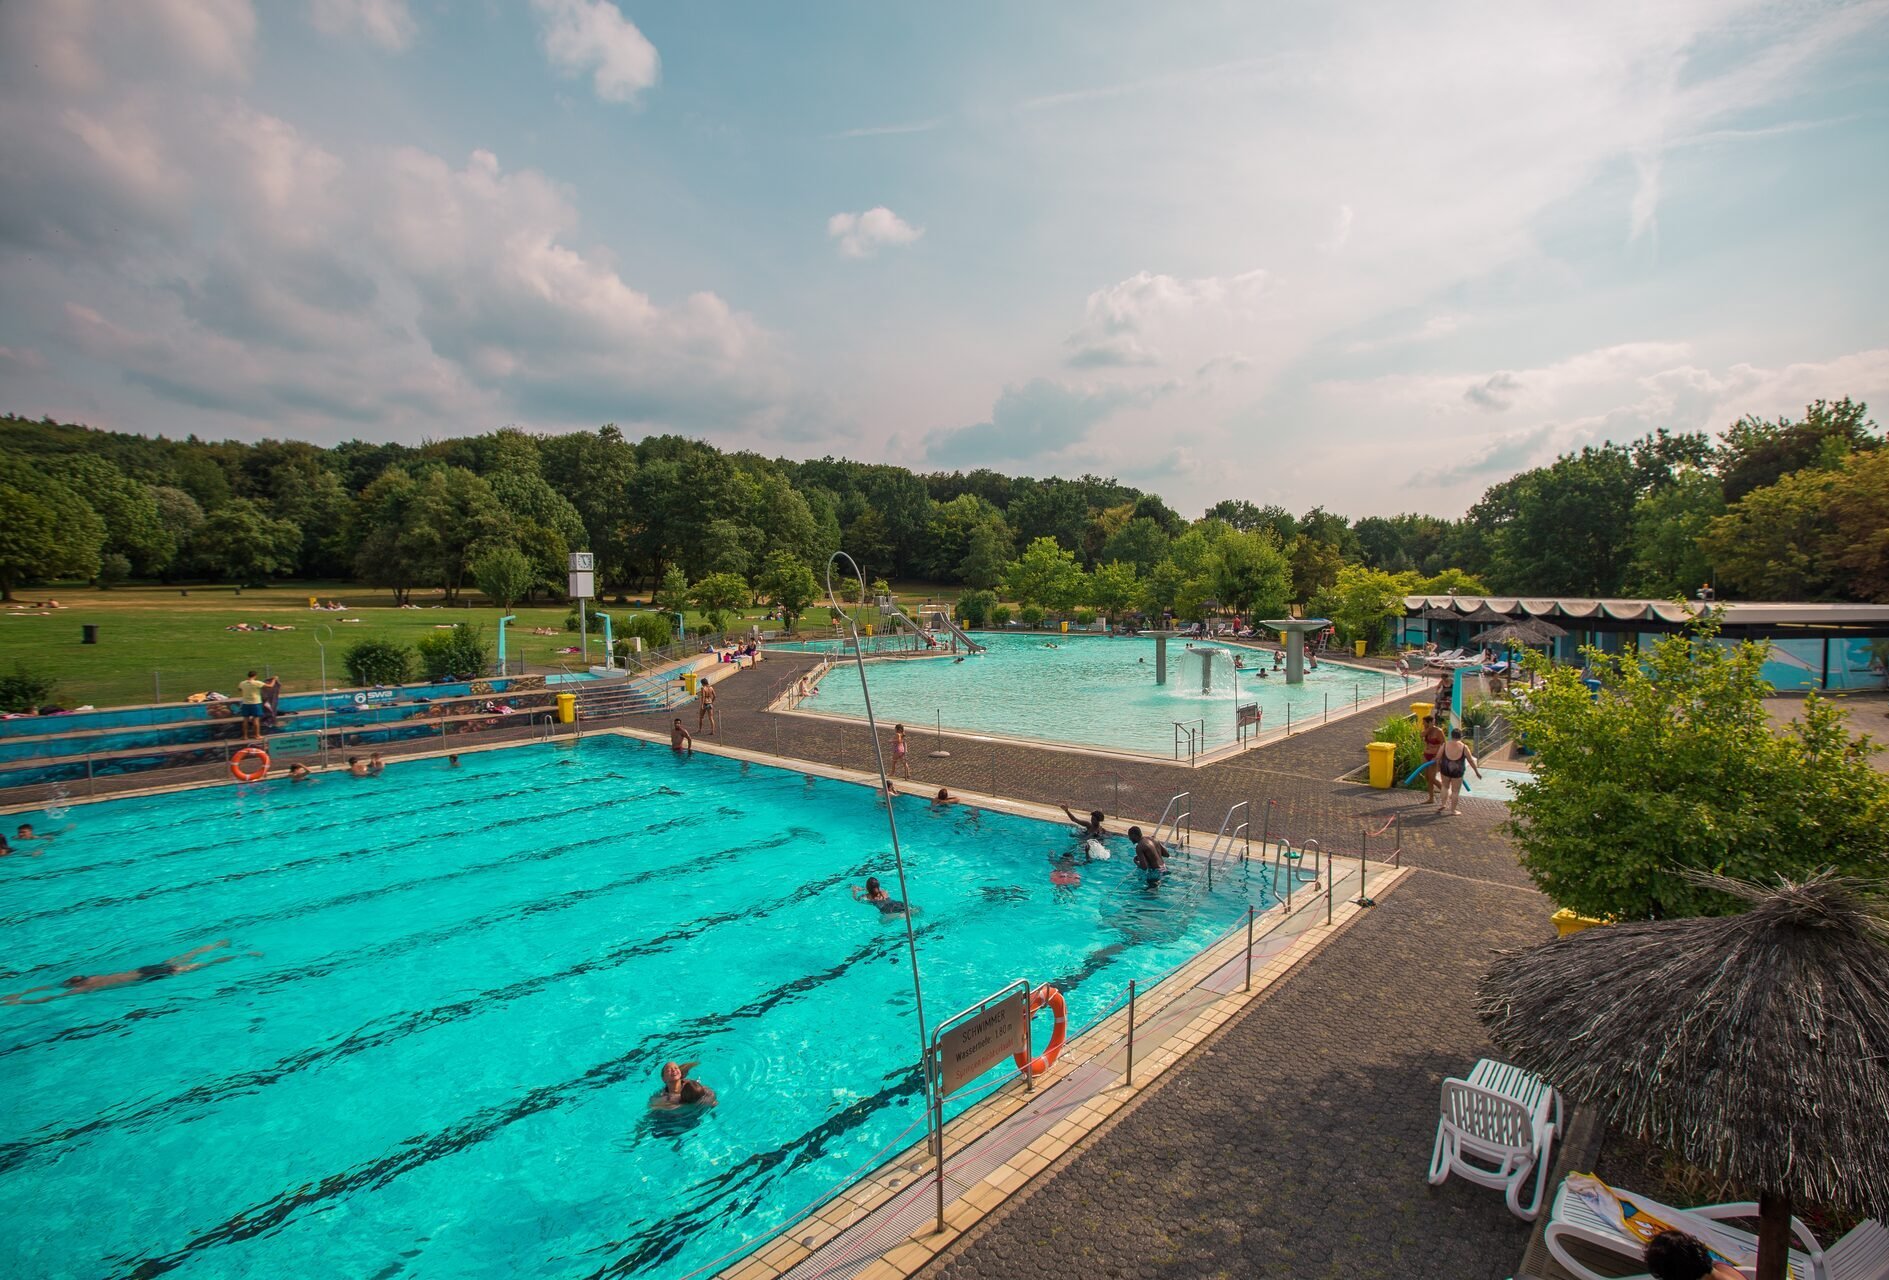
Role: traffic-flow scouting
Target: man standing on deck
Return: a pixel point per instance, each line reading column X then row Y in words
column 250, row 690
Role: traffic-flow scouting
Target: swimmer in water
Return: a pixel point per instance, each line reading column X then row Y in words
column 943, row 799
column 6, row 849
column 125, row 977
column 357, row 767
column 681, row 741
column 1092, row 834
column 680, row 1091
column 452, row 762
column 298, row 772
column 1151, row 856
column 875, row 893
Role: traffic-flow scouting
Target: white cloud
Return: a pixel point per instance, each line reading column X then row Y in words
column 1340, row 229
column 594, row 36
column 1140, row 321
column 861, row 235
column 387, row 23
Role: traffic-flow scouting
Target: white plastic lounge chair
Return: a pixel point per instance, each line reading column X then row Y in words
column 1863, row 1254
column 1493, row 1140
column 1572, row 1220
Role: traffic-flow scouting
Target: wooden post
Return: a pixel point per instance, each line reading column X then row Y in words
column 1774, row 1234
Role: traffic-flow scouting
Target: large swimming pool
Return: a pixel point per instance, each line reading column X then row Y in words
column 1096, row 691
column 449, row 992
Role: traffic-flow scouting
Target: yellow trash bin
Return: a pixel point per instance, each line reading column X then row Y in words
column 1421, row 709
column 1065, row 626
column 1360, row 647
column 1383, row 763
column 868, row 628
column 567, row 708
column 691, row 682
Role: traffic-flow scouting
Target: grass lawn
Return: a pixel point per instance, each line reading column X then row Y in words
column 157, row 645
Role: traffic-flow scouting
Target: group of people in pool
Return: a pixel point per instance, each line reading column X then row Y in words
column 27, row 836
column 1151, row 855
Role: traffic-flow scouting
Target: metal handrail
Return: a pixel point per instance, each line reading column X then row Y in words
column 1221, row 834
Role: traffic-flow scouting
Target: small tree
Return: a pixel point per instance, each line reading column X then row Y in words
column 653, row 628
column 1361, row 601
column 672, row 595
column 1675, row 767
column 503, row 574
column 1113, row 589
column 1031, row 615
column 112, row 569
column 25, row 689
column 378, row 662
column 461, row 653
column 1042, row 574
column 1000, row 616
column 789, row 584
column 974, row 607
column 720, row 597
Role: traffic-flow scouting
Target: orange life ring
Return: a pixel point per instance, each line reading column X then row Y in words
column 1047, row 995
column 248, row 753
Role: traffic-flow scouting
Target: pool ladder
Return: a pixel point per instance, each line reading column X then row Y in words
column 1183, row 819
column 1229, row 834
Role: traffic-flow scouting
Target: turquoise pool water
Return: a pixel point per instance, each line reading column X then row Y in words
column 440, row 1061
column 1094, row 691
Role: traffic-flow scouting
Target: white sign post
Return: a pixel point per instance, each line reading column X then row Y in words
column 583, row 586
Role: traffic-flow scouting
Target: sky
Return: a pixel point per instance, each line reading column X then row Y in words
column 1366, row 256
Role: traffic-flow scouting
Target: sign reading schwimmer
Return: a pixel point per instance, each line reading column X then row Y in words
column 980, row 1042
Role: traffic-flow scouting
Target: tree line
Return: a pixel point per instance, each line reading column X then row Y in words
column 1770, row 509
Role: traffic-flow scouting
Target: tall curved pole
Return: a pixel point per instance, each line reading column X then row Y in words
column 891, row 818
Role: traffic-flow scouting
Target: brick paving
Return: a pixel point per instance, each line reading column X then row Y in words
column 1296, row 1140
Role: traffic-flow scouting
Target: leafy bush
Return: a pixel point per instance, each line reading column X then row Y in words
column 591, row 621
column 378, row 662
column 974, row 607
column 1031, row 615
column 1408, row 735
column 503, row 574
column 1477, row 715
column 1085, row 617
column 654, row 628
column 1000, row 616
column 461, row 652
column 112, row 569
column 25, row 689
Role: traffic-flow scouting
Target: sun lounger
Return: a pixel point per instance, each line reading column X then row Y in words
column 1495, row 1131
column 1573, row 1220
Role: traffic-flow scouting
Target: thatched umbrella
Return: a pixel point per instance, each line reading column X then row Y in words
column 1483, row 613
column 1523, row 632
column 1441, row 613
column 1755, row 1046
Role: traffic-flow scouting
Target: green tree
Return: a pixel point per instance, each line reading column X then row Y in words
column 239, row 542
column 1141, row 544
column 134, row 531
column 453, row 515
column 975, row 607
column 673, row 594
column 180, row 515
column 1314, row 566
column 1756, row 454
column 390, row 551
column 113, row 569
column 1042, row 574
column 1675, row 766
column 1665, row 557
column 378, row 662
column 1114, row 589
column 987, row 552
column 1450, row 580
column 503, row 574
column 653, row 629
column 46, row 530
column 869, row 542
column 1857, row 549
column 1563, row 531
column 462, row 653
column 1769, row 545
column 1250, row 575
column 1363, row 601
column 721, row 597
column 788, row 583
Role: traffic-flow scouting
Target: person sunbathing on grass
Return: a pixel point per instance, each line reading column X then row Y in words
column 83, row 983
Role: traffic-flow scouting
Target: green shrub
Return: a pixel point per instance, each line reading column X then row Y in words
column 378, row 662
column 461, row 652
column 112, row 569
column 1031, row 615
column 591, row 621
column 1000, row 616
column 1085, row 617
column 25, row 689
column 1408, row 735
column 654, row 629
column 974, row 607
column 1477, row 715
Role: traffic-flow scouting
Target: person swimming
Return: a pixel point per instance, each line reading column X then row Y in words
column 679, row 1091
column 1092, row 835
column 875, row 893
column 1151, row 856
column 83, row 983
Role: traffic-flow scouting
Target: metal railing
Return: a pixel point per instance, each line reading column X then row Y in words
column 1181, row 814
column 1191, row 733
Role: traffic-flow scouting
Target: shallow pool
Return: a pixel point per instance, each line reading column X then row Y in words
column 1097, row 691
column 430, row 1043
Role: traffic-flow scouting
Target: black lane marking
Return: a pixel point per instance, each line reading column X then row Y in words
column 416, row 1152
column 21, row 1151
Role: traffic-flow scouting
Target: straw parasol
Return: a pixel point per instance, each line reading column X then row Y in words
column 1441, row 613
column 1755, row 1046
column 1524, row 633
column 1484, row 613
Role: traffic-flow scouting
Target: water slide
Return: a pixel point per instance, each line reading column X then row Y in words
column 941, row 619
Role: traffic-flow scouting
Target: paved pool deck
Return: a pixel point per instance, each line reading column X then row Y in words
column 1294, row 1140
